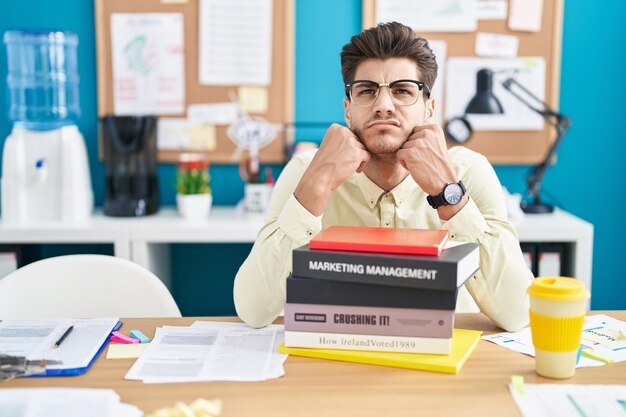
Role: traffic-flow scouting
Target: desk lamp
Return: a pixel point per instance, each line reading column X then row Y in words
column 458, row 129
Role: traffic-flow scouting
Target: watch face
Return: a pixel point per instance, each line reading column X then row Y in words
column 453, row 193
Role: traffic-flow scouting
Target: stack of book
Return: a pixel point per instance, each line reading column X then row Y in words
column 376, row 289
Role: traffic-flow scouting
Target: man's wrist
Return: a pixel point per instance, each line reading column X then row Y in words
column 312, row 194
column 447, row 212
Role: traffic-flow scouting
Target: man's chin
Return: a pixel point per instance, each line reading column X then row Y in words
column 383, row 145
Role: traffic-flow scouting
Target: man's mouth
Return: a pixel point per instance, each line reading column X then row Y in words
column 384, row 123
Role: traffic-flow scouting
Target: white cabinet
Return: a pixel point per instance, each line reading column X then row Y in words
column 146, row 240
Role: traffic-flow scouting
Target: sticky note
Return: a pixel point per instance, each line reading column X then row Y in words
column 253, row 99
column 126, row 351
column 139, row 336
column 202, row 137
column 517, row 381
column 122, row 338
column 496, row 45
column 525, row 15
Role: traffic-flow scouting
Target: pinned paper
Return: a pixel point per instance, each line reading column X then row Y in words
column 202, row 137
column 137, row 334
column 122, row 338
column 126, row 351
column 172, row 133
column 253, row 99
column 525, row 15
column 496, row 45
column 491, row 9
column 213, row 113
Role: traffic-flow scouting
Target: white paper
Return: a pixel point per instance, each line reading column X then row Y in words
column 550, row 400
column 64, row 402
column 496, row 45
column 147, row 57
column 212, row 114
column 439, row 48
column 461, row 87
column 172, row 133
column 491, row 9
column 213, row 352
column 35, row 339
column 521, row 341
column 525, row 15
column 235, row 46
column 429, row 16
column 275, row 368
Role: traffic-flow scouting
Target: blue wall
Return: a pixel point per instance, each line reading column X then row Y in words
column 587, row 179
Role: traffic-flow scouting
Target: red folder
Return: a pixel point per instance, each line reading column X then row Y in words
column 380, row 239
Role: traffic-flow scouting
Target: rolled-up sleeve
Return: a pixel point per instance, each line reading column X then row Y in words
column 499, row 288
column 259, row 288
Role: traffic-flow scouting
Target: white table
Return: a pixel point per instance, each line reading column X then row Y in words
column 146, row 240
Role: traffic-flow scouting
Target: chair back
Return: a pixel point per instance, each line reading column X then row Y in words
column 84, row 286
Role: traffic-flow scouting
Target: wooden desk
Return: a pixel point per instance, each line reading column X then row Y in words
column 315, row 387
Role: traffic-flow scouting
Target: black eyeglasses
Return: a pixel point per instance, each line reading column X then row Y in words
column 364, row 93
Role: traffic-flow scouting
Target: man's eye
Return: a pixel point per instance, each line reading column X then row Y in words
column 366, row 92
column 402, row 92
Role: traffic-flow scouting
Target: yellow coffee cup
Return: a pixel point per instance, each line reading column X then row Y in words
column 557, row 313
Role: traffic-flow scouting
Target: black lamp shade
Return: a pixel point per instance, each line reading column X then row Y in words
column 484, row 102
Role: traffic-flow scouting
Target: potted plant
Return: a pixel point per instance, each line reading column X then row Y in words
column 193, row 183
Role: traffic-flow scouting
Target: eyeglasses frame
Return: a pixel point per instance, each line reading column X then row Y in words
column 420, row 84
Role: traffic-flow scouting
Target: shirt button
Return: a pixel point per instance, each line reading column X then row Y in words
column 452, row 236
column 309, row 233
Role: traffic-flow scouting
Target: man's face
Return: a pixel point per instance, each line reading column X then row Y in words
column 384, row 126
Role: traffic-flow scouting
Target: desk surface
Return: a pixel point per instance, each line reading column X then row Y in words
column 316, row 387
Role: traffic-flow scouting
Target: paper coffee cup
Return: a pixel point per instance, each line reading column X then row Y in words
column 557, row 313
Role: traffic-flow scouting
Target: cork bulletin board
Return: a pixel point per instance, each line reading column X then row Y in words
column 279, row 92
column 501, row 146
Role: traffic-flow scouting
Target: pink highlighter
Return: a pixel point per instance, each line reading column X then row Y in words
column 122, row 338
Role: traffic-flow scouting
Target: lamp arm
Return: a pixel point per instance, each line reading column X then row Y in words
column 558, row 120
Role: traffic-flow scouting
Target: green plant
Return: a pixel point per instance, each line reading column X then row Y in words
column 193, row 177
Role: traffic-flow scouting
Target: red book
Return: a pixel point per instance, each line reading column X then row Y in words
column 381, row 239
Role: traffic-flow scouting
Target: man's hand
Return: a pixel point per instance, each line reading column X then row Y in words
column 426, row 157
column 340, row 155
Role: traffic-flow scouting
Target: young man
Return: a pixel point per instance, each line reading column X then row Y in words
column 389, row 168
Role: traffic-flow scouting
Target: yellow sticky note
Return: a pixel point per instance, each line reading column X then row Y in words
column 202, row 137
column 517, row 381
column 253, row 99
column 126, row 351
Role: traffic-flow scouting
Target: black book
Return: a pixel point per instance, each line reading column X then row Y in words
column 447, row 271
column 321, row 291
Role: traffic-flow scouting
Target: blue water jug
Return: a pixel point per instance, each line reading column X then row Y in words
column 42, row 79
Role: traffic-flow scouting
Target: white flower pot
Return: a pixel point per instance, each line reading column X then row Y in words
column 194, row 206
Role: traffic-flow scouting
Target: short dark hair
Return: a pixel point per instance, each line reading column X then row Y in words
column 388, row 40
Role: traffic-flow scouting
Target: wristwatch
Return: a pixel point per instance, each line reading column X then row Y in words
column 452, row 194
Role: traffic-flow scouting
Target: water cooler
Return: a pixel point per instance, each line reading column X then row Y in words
column 45, row 171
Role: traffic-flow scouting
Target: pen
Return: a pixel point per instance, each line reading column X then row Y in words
column 62, row 338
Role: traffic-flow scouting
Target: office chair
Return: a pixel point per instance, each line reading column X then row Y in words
column 84, row 286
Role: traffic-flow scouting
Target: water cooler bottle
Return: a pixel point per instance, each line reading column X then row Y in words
column 45, row 172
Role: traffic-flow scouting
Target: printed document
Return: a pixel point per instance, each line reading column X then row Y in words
column 235, row 42
column 208, row 352
column 64, row 402
column 34, row 339
column 429, row 16
column 147, row 60
column 549, row 400
column 601, row 334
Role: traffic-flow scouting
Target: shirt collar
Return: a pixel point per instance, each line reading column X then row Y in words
column 372, row 192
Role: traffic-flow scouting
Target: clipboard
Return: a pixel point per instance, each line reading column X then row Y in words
column 78, row 371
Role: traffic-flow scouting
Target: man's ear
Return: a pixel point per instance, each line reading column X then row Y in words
column 429, row 110
column 346, row 111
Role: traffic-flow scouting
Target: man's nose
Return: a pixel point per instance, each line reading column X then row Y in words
column 384, row 102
